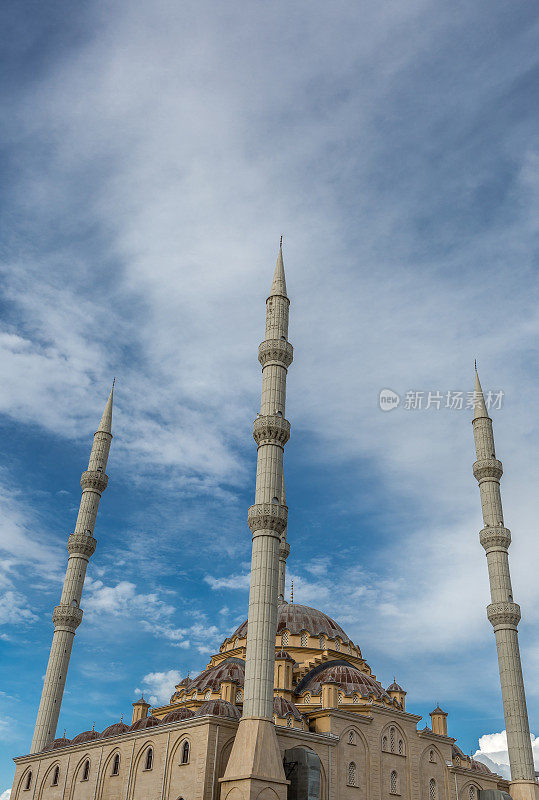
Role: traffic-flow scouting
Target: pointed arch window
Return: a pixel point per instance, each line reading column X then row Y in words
column 148, row 763
column 392, row 739
column 239, row 696
column 393, row 782
column 432, row 757
column 86, row 771
column 304, row 641
column 351, row 737
column 352, row 777
column 472, row 794
column 355, row 698
column 207, row 696
column 55, row 776
column 322, row 642
column 186, row 750
column 116, row 765
column 290, row 721
column 432, row 789
column 285, row 638
column 401, row 747
column 307, row 698
column 338, row 645
column 384, row 743
column 28, row 781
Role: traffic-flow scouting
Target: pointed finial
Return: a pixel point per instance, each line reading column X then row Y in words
column 278, row 287
column 122, row 718
column 281, row 242
column 292, row 592
column 480, row 409
column 64, row 734
column 93, row 726
column 106, row 420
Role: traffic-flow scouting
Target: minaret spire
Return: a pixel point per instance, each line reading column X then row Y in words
column 255, row 760
column 503, row 613
column 68, row 615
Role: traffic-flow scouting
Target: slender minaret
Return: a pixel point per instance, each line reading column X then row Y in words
column 255, row 760
column 503, row 613
column 284, row 552
column 67, row 616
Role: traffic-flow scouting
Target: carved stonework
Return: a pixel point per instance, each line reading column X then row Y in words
column 284, row 550
column 67, row 617
column 271, row 429
column 504, row 614
column 277, row 351
column 495, row 537
column 488, row 468
column 91, row 479
column 81, row 544
column 267, row 517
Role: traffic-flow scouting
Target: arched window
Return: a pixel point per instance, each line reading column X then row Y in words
column 457, row 761
column 337, row 644
column 392, row 739
column 28, row 781
column 207, row 695
column 239, row 696
column 194, row 695
column 432, row 789
column 55, row 776
column 355, row 698
column 148, row 764
column 307, row 698
column 401, row 747
column 322, row 642
column 116, row 765
column 393, row 782
column 351, row 774
column 290, row 721
column 285, row 638
column 185, row 753
column 304, row 639
column 472, row 793
column 351, row 737
column 86, row 771
column 341, row 697
column 432, row 757
column 384, row 743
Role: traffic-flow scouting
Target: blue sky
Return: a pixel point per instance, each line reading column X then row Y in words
column 152, row 154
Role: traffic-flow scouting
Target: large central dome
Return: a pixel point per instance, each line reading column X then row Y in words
column 296, row 618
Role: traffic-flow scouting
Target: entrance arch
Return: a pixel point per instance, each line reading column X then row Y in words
column 302, row 768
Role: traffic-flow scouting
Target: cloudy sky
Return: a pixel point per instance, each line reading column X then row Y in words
column 152, row 155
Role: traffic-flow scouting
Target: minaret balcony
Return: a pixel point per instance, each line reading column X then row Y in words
column 504, row 615
column 92, row 479
column 80, row 544
column 271, row 429
column 495, row 538
column 69, row 617
column 275, row 351
column 267, row 517
column 488, row 468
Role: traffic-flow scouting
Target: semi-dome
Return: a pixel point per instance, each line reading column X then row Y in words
column 115, row 729
column 283, row 707
column 57, row 743
column 85, row 736
column 296, row 618
column 219, row 708
column 232, row 669
column 145, row 722
column 346, row 676
column 178, row 714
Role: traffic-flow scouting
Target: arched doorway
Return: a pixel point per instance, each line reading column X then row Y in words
column 302, row 769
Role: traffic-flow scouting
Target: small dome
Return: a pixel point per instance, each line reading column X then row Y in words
column 284, row 656
column 61, row 742
column 395, row 688
column 219, row 708
column 348, row 677
column 115, row 730
column 232, row 669
column 85, row 736
column 296, row 618
column 282, row 708
column 178, row 714
column 145, row 722
column 478, row 766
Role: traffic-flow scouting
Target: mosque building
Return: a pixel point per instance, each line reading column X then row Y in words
column 289, row 708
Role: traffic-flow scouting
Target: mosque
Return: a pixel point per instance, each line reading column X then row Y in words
column 289, row 708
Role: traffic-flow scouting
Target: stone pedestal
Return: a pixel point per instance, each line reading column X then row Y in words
column 255, row 768
column 524, row 790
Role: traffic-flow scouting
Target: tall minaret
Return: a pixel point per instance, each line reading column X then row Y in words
column 255, row 760
column 503, row 613
column 67, row 616
column 284, row 552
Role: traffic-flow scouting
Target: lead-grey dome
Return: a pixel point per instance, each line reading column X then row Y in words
column 295, row 618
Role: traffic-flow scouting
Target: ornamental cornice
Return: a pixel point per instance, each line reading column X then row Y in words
column 92, row 479
column 67, row 617
column 504, row 614
column 81, row 544
column 267, row 517
column 495, row 537
column 277, row 351
column 488, row 468
column 284, row 550
column 271, row 429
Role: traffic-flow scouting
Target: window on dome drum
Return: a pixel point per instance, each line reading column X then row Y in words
column 285, row 638
column 392, row 739
column 289, row 721
column 351, row 737
column 148, row 764
column 355, row 698
column 28, row 781
column 207, row 695
column 307, row 698
column 86, row 771
column 457, row 761
column 384, row 743
column 337, row 645
column 194, row 695
column 304, row 640
column 55, row 776
column 401, row 747
column 351, row 774
column 341, row 697
column 393, row 780
column 432, row 789
column 116, row 765
column 239, row 697
column 322, row 643
column 185, row 753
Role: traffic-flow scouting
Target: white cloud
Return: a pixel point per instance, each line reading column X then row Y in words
column 14, row 609
column 232, row 582
column 160, row 685
column 493, row 752
column 5, row 795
